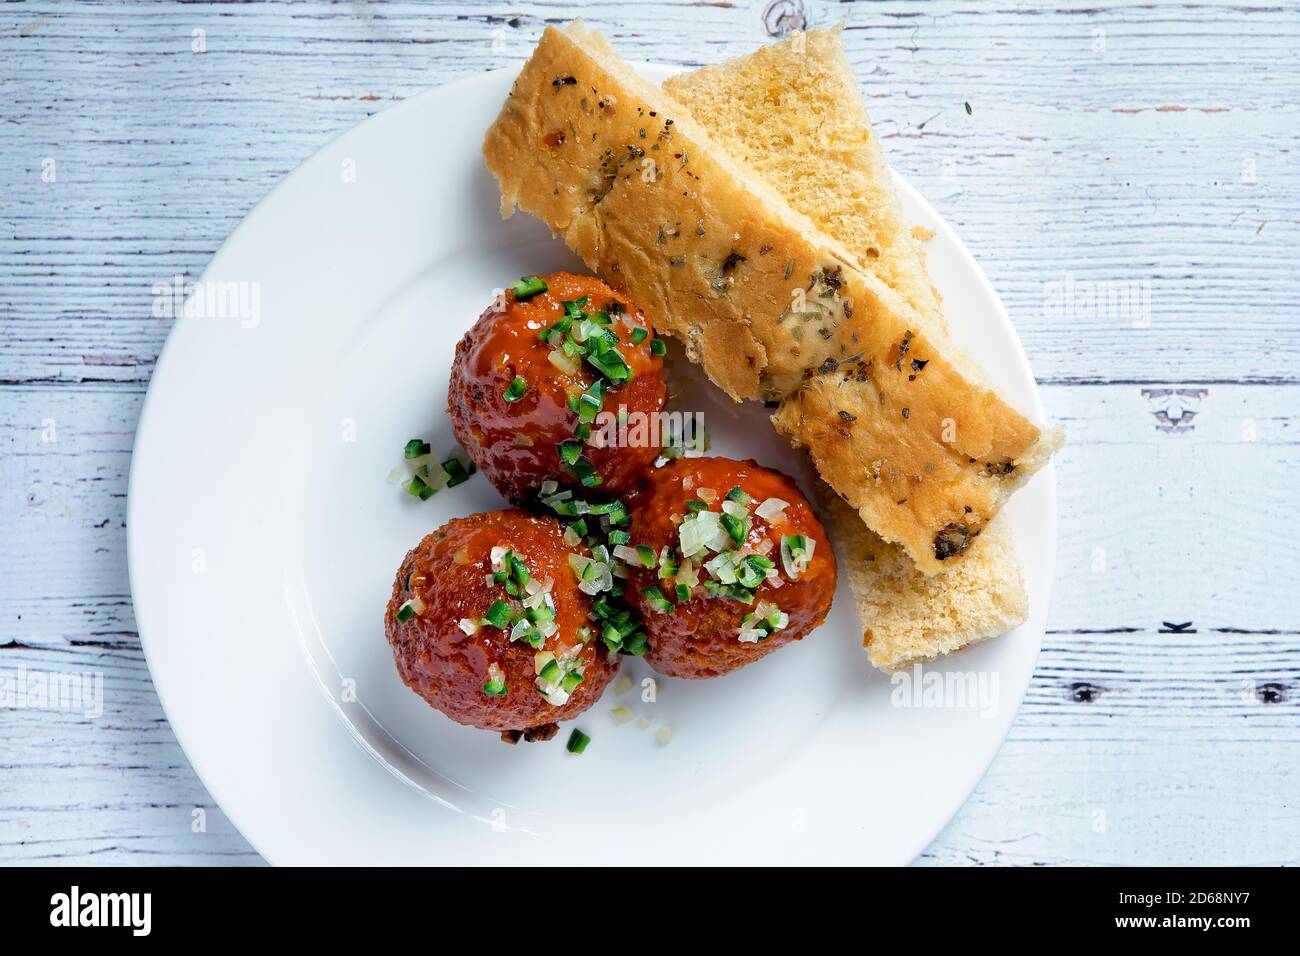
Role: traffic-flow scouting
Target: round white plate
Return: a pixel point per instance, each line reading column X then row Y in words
column 264, row 537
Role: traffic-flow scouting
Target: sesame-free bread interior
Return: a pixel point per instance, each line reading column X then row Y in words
column 771, row 307
column 909, row 617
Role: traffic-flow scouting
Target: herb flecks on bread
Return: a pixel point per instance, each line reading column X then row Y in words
column 767, row 304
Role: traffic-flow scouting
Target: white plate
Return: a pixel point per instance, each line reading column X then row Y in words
column 263, row 539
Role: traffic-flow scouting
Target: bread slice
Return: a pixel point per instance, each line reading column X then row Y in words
column 910, row 617
column 792, row 112
column 763, row 301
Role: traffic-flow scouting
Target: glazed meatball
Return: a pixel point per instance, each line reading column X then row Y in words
column 741, row 565
column 488, row 625
column 540, row 381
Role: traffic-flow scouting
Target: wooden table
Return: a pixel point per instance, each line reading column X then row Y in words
column 1128, row 177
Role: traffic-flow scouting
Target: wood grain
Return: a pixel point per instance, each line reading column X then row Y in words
column 1149, row 148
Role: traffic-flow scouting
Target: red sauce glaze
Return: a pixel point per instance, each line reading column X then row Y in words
column 514, row 443
column 699, row 637
column 446, row 666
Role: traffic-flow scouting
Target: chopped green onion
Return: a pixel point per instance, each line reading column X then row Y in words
column 496, row 687
column 619, row 537
column 639, row 335
column 405, row 612
column 527, row 287
column 456, row 473
column 417, row 487
column 550, row 672
column 523, row 630
column 695, row 504
column 737, row 494
column 570, row 451
column 518, row 568
column 577, row 742
column 591, row 401
column 734, row 526
column 748, row 575
column 615, row 511
column 515, row 390
column 570, row 681
column 657, row 347
column 655, row 598
column 646, row 554
column 498, row 615
column 669, row 564
column 796, row 553
column 611, row 364
column 417, row 448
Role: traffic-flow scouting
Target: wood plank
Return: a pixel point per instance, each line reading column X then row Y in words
column 1059, row 171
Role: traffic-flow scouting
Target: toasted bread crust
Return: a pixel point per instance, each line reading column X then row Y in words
column 766, row 304
column 930, row 486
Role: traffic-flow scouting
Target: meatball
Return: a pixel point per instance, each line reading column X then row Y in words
column 488, row 625
column 541, row 382
column 741, row 565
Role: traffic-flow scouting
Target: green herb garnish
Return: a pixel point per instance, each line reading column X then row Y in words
column 515, row 390
column 498, row 615
column 456, row 473
column 654, row 596
column 734, row 527
column 417, row 487
column 527, row 287
column 737, row 494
